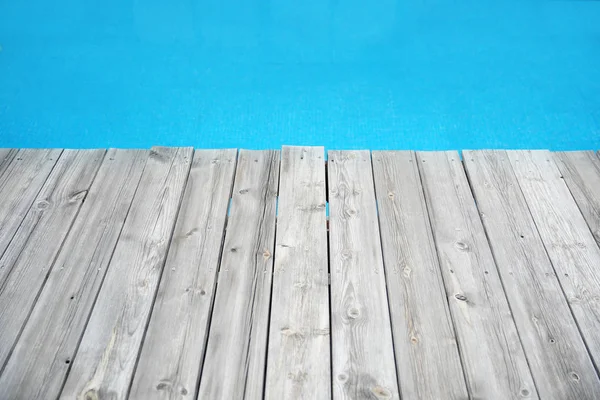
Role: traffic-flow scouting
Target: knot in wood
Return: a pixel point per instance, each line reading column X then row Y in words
column 574, row 376
column 525, row 393
column 243, row 191
column 91, row 395
column 460, row 297
column 43, row 204
column 346, row 254
column 353, row 312
column 381, row 392
column 461, row 246
column 342, row 377
column 78, row 196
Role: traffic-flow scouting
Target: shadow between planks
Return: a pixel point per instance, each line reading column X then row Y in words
column 218, row 274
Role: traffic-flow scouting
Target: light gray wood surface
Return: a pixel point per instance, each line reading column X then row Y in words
column 41, row 359
column 299, row 363
column 106, row 358
column 179, row 323
column 6, row 157
column 427, row 357
column 581, row 172
column 492, row 356
column 569, row 242
column 31, row 254
column 552, row 343
column 234, row 367
column 20, row 183
column 361, row 342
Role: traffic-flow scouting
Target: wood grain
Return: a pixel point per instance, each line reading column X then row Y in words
column 554, row 349
column 179, row 323
column 40, row 361
column 427, row 357
column 20, row 183
column 106, row 358
column 569, row 242
column 581, row 172
column 492, row 356
column 234, row 367
column 32, row 252
column 298, row 363
column 6, row 157
column 362, row 349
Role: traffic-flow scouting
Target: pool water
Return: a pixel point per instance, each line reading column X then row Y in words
column 402, row 74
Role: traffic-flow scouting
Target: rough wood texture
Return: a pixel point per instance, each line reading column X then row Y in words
column 554, row 349
column 20, row 183
column 581, row 172
column 567, row 238
column 427, row 357
column 40, row 361
column 493, row 360
column 234, row 366
column 32, row 253
column 178, row 326
column 6, row 157
column 362, row 350
column 298, row 363
column 106, row 358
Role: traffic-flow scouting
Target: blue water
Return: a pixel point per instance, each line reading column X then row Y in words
column 420, row 74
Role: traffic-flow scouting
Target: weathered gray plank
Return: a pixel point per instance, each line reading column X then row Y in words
column 106, row 358
column 40, row 361
column 234, row 366
column 171, row 358
column 569, row 242
column 19, row 185
column 298, row 363
column 493, row 360
column 581, row 172
column 427, row 357
column 31, row 254
column 6, row 157
column 554, row 349
column 362, row 349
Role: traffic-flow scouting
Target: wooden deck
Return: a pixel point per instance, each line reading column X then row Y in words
column 218, row 274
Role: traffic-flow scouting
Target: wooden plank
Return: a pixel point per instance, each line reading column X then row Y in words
column 234, row 366
column 298, row 362
column 40, row 361
column 6, row 157
column 32, row 253
column 581, row 172
column 554, row 349
column 362, row 349
column 106, row 358
column 492, row 356
column 179, row 323
column 19, row 185
column 569, row 242
column 427, row 357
